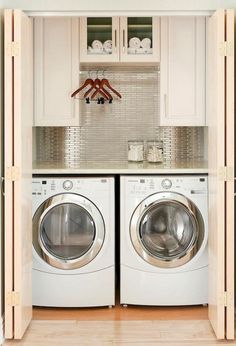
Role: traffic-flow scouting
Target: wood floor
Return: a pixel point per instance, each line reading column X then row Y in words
column 114, row 333
column 120, row 313
column 134, row 325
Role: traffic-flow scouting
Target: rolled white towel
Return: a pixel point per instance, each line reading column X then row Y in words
column 146, row 43
column 134, row 42
column 96, row 44
column 107, row 45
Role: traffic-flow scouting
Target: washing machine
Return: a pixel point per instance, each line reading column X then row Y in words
column 73, row 242
column 163, row 240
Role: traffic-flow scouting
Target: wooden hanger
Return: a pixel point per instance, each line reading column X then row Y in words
column 98, row 85
column 88, row 81
column 105, row 82
column 98, row 89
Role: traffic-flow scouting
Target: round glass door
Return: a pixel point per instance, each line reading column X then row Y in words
column 168, row 232
column 68, row 231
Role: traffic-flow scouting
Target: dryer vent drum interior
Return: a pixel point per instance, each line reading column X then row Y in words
column 168, row 230
column 67, row 231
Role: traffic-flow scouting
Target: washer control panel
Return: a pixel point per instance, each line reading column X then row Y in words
column 67, row 185
column 45, row 187
column 166, row 184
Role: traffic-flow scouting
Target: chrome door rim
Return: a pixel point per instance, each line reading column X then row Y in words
column 148, row 203
column 91, row 209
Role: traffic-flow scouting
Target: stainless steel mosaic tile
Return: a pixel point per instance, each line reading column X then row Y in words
column 106, row 129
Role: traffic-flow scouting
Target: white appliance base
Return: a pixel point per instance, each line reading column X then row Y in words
column 81, row 290
column 147, row 288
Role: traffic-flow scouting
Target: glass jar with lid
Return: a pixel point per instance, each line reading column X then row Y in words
column 155, row 151
column 136, row 150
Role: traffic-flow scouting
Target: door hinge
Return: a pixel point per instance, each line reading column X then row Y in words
column 226, row 173
column 13, row 298
column 226, row 48
column 228, row 298
column 12, row 173
column 13, row 48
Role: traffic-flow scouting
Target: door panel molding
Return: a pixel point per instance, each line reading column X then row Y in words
column 216, row 160
column 8, row 162
column 18, row 161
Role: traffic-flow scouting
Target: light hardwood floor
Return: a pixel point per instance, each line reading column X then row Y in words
column 120, row 313
column 124, row 333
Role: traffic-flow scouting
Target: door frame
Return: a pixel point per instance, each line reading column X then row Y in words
column 76, row 13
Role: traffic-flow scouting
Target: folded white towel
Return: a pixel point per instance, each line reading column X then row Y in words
column 96, row 44
column 146, row 43
column 134, row 42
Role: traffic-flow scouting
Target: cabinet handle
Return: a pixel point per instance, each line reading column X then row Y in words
column 165, row 105
column 115, row 40
column 2, row 184
column 123, row 40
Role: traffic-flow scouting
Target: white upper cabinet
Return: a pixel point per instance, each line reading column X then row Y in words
column 56, row 71
column 114, row 39
column 182, row 71
column 140, row 39
column 99, row 39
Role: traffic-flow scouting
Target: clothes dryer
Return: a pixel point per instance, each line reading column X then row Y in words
column 163, row 237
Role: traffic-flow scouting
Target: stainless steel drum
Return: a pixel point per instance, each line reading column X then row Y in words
column 167, row 229
column 68, row 231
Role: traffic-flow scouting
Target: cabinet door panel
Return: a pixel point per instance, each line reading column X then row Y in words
column 94, row 32
column 56, row 55
column 140, row 30
column 182, row 71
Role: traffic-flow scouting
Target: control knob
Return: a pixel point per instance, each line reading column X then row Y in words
column 67, row 185
column 166, row 184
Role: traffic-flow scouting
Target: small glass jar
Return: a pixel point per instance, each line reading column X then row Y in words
column 155, row 151
column 135, row 151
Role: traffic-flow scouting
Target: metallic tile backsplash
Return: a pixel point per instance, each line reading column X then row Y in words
column 105, row 129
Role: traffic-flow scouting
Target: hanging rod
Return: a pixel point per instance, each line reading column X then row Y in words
column 104, row 71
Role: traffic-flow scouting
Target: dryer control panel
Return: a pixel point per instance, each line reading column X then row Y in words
column 194, row 184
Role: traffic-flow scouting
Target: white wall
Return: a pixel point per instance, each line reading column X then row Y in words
column 121, row 5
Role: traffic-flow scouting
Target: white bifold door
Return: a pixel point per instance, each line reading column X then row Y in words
column 18, row 172
column 18, row 161
column 220, row 111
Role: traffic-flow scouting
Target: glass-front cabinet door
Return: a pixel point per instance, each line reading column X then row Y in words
column 140, row 39
column 99, row 39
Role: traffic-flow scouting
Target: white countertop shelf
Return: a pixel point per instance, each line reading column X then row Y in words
column 121, row 167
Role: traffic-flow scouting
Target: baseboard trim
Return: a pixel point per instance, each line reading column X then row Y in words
column 1, row 330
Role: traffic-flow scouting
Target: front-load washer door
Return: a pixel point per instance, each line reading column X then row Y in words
column 167, row 230
column 68, row 231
